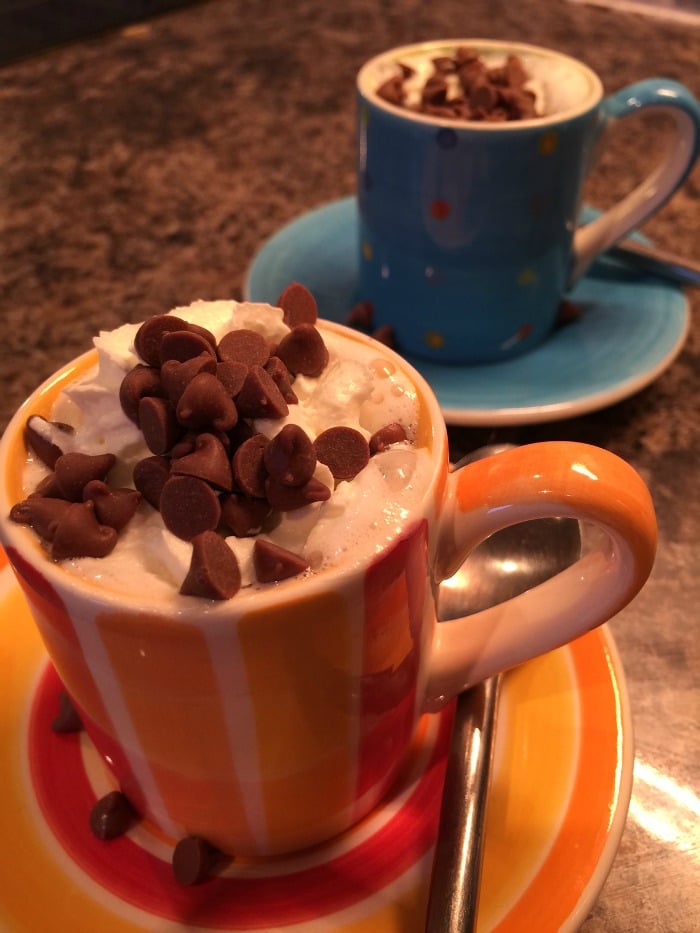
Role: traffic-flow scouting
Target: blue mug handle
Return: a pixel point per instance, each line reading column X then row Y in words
column 660, row 94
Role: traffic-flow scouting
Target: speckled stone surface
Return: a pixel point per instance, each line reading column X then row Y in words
column 143, row 168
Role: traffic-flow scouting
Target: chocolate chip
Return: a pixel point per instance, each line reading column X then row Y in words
column 176, row 375
column 213, row 572
column 73, row 471
column 519, row 103
column 385, row 334
column 443, row 64
column 205, row 404
column 568, row 312
column 444, row 111
column 465, row 54
column 42, row 514
column 469, row 72
column 183, row 345
column 140, row 382
column 391, row 90
column 231, row 374
column 44, row 438
column 298, row 304
column 302, row 350
column 159, row 424
column 114, row 507
column 289, row 498
column 150, row 475
column 498, row 75
column 189, row 506
column 240, row 433
column 194, row 860
column 392, row 433
column 289, row 457
column 260, row 397
column 273, row 563
column 361, row 316
column 249, row 470
column 434, row 90
column 483, row 96
column 48, row 488
column 112, row 816
column 203, row 332
column 67, row 718
column 244, row 346
column 344, row 451
column 515, row 71
column 151, row 332
column 460, row 110
column 79, row 534
column 243, row 515
column 282, row 379
column 208, row 461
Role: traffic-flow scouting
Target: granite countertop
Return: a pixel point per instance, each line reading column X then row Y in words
column 143, row 168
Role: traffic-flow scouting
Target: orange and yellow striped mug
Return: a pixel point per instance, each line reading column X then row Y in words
column 277, row 719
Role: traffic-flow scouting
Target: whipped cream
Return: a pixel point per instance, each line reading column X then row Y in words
column 359, row 388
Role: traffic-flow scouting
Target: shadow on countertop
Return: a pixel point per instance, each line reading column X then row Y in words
column 31, row 26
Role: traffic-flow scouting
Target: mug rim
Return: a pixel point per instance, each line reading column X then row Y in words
column 505, row 46
column 179, row 608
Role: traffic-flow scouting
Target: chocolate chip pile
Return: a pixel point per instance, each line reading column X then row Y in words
column 463, row 87
column 210, row 473
column 73, row 509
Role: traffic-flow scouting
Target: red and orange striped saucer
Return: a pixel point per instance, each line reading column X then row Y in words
column 557, row 806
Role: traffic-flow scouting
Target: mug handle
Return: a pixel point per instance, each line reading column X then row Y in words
column 662, row 95
column 544, row 480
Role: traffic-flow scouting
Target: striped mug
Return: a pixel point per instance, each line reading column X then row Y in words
column 279, row 718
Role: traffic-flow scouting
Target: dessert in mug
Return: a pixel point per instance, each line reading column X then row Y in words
column 463, row 85
column 220, row 446
column 229, row 533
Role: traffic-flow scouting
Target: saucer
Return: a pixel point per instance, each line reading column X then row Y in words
column 561, row 784
column 631, row 328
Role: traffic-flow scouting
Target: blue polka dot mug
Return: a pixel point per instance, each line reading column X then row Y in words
column 468, row 236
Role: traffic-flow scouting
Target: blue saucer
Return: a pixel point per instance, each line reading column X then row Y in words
column 631, row 329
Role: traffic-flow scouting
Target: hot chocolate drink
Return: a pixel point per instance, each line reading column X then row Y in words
column 223, row 445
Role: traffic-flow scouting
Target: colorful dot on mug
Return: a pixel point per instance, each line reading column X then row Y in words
column 432, row 339
column 440, row 209
column 446, row 139
column 521, row 333
column 367, row 251
column 548, row 143
column 527, row 277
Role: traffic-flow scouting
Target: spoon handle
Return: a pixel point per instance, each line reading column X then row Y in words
column 454, row 889
column 649, row 259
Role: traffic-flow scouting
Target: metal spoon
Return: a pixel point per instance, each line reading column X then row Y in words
column 507, row 564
